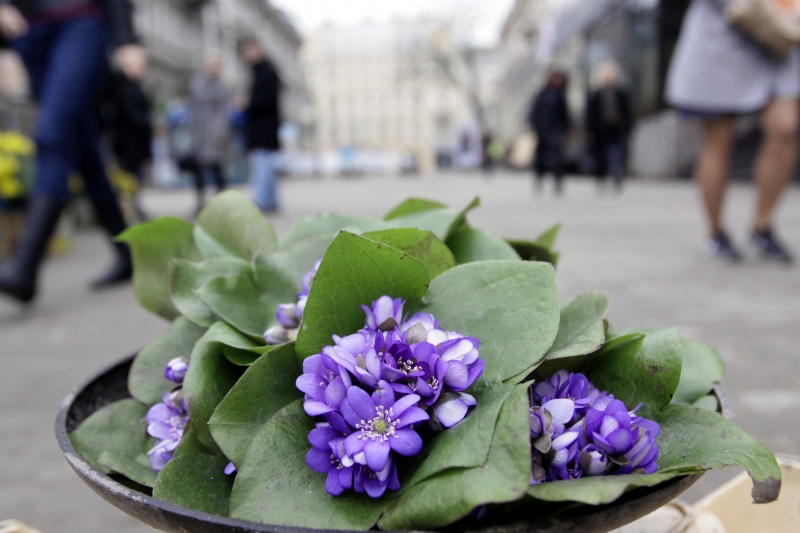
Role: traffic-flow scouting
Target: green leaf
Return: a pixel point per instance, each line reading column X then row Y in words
column 596, row 490
column 355, row 271
column 702, row 367
column 209, row 378
column 195, row 478
column 294, row 261
column 130, row 468
column 470, row 245
column 464, row 445
column 232, row 225
column 327, row 224
column 411, row 206
column 118, row 428
column 146, row 381
column 421, row 245
column 530, row 251
column 548, row 367
column 153, row 245
column 240, row 303
column 697, row 438
column 244, row 356
column 265, row 388
column 548, row 238
column 443, row 222
column 186, row 277
column 454, row 493
column 580, row 330
column 510, row 306
column 709, row 403
column 647, row 375
column 276, row 486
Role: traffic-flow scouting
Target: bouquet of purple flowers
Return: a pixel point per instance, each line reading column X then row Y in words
column 405, row 373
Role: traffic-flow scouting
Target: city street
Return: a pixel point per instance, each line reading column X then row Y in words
column 641, row 248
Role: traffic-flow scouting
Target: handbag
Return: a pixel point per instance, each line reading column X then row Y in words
column 773, row 24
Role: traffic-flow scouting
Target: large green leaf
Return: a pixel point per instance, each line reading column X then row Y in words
column 153, row 245
column 411, row 206
column 118, row 428
column 294, row 261
column 327, row 224
column 239, row 302
column 232, row 225
column 186, row 277
column 146, row 381
column 265, row 388
column 510, row 306
column 275, row 486
column 464, row 445
column 355, row 271
column 648, row 375
column 702, row 367
column 209, row 378
column 548, row 367
column 470, row 245
column 195, row 478
column 454, row 493
column 443, row 222
column 130, row 468
column 596, row 490
column 421, row 245
column 696, row 438
column 580, row 330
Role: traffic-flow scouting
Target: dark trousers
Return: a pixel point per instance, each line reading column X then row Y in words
column 198, row 171
column 549, row 156
column 68, row 68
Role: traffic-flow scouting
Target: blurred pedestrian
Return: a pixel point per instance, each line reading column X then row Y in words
column 549, row 118
column 209, row 127
column 608, row 123
column 64, row 45
column 263, row 123
column 719, row 73
column 127, row 114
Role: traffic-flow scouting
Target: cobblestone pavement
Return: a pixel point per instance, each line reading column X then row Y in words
column 641, row 248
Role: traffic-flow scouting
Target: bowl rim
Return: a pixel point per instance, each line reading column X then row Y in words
column 94, row 476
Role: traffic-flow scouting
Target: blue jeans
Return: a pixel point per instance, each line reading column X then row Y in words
column 68, row 67
column 263, row 178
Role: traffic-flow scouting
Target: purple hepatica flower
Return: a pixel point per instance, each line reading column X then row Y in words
column 308, row 280
column 324, row 383
column 176, row 369
column 230, row 469
column 327, row 457
column 382, row 424
column 287, row 316
column 452, row 408
column 548, row 422
column 385, row 313
column 167, row 425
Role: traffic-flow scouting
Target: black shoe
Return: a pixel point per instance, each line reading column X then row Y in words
column 109, row 216
column 18, row 277
column 769, row 247
column 120, row 272
column 721, row 247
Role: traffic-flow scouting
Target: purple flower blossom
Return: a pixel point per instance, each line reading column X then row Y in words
column 374, row 389
column 176, row 369
column 165, row 423
column 230, row 469
column 289, row 315
column 577, row 430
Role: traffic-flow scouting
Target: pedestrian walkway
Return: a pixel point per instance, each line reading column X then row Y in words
column 641, row 248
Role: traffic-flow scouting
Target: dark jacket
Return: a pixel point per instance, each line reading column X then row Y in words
column 608, row 121
column 549, row 116
column 119, row 12
column 263, row 113
column 127, row 116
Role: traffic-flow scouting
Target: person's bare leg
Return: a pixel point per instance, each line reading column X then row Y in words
column 776, row 157
column 713, row 165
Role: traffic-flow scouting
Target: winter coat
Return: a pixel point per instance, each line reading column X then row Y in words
column 598, row 125
column 549, row 116
column 263, row 112
column 209, row 129
column 717, row 69
column 127, row 115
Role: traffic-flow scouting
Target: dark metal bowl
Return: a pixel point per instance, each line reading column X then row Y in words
column 111, row 385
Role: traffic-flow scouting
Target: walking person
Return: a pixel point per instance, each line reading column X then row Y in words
column 64, row 45
column 608, row 123
column 263, row 123
column 209, row 128
column 549, row 118
column 718, row 74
